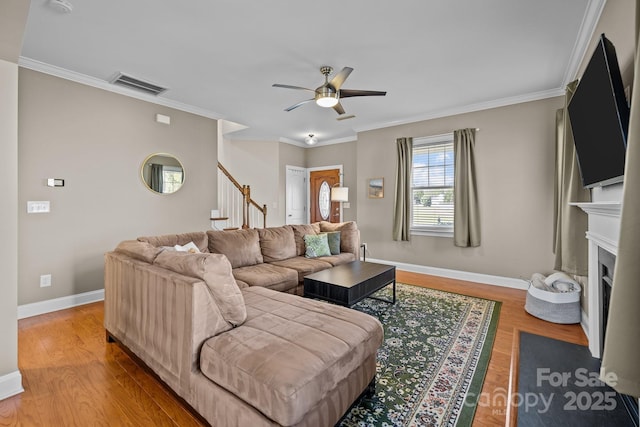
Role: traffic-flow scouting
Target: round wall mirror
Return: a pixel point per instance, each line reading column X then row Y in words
column 162, row 173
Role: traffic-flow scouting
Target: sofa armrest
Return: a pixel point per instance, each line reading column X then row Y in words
column 161, row 316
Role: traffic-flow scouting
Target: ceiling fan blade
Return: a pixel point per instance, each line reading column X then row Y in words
column 339, row 78
column 348, row 93
column 299, row 104
column 291, row 87
column 338, row 108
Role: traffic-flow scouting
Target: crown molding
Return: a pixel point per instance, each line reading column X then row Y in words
column 585, row 34
column 319, row 144
column 587, row 28
column 503, row 102
column 42, row 67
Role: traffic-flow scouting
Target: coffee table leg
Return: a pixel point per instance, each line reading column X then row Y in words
column 394, row 292
column 391, row 301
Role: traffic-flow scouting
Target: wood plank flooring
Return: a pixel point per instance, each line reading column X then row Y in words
column 72, row 376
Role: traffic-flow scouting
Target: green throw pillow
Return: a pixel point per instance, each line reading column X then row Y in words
column 334, row 242
column 317, row 245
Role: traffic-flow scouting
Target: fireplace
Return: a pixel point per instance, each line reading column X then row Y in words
column 603, row 233
column 606, row 264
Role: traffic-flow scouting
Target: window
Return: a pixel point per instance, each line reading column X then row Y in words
column 172, row 177
column 432, row 185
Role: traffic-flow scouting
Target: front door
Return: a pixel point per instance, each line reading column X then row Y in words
column 321, row 207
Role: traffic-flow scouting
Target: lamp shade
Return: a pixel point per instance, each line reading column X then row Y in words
column 340, row 194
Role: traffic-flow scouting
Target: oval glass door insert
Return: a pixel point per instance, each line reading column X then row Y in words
column 324, row 200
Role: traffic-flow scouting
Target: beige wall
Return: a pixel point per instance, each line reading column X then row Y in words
column 9, row 217
column 96, row 141
column 339, row 154
column 13, row 18
column 515, row 167
column 257, row 164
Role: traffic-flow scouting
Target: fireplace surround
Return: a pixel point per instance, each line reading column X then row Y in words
column 603, row 233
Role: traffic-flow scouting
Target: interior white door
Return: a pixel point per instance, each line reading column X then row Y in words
column 296, row 190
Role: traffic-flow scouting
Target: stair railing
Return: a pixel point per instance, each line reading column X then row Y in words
column 235, row 202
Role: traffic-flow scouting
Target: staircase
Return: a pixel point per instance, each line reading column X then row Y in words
column 235, row 203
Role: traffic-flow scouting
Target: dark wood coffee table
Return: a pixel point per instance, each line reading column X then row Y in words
column 349, row 283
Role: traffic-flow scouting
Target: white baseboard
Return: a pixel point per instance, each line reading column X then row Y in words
column 48, row 306
column 10, row 384
column 507, row 282
column 42, row 307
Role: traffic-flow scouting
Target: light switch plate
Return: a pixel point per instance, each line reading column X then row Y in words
column 45, row 280
column 38, row 207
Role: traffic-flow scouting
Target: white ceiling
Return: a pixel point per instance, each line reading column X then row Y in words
column 220, row 58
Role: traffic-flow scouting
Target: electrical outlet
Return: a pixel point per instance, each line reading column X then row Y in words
column 45, row 280
column 365, row 247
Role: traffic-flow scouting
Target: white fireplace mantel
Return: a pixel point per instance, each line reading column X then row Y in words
column 600, row 208
column 603, row 232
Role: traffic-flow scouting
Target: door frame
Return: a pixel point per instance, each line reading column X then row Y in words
column 321, row 168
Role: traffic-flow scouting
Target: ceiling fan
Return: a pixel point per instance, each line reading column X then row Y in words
column 329, row 94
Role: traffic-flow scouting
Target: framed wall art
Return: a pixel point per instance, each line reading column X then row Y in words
column 375, row 188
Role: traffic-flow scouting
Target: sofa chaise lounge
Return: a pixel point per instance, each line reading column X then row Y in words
column 238, row 351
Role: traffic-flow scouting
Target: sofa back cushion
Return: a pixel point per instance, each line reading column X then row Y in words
column 142, row 251
column 215, row 271
column 197, row 237
column 349, row 235
column 242, row 247
column 301, row 230
column 277, row 243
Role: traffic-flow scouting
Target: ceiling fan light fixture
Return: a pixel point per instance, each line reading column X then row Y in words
column 311, row 139
column 326, row 96
column 327, row 101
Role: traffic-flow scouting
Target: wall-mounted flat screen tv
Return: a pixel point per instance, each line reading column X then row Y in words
column 599, row 115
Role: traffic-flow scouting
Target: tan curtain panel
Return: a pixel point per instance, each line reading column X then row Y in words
column 466, row 218
column 402, row 200
column 570, row 222
column 621, row 358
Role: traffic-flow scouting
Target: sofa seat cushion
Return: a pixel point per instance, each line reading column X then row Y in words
column 268, row 276
column 303, row 265
column 290, row 353
column 342, row 258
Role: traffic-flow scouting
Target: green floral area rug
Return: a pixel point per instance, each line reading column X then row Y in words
column 433, row 360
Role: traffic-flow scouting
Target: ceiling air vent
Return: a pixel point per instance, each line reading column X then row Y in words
column 133, row 83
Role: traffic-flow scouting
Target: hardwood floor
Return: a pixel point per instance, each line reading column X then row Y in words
column 72, row 376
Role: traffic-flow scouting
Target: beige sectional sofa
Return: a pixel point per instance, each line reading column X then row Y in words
column 214, row 328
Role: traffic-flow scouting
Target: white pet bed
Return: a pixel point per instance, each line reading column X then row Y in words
column 555, row 298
